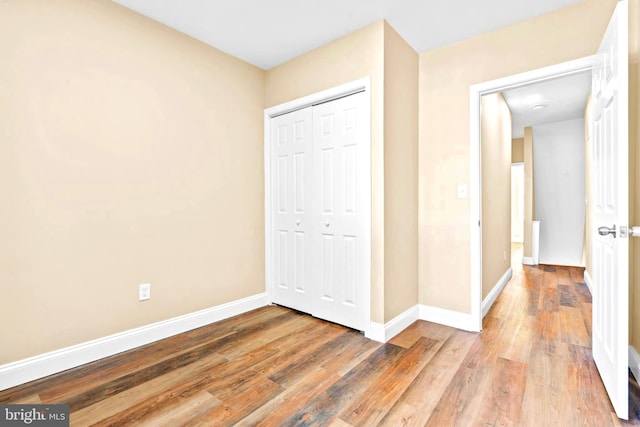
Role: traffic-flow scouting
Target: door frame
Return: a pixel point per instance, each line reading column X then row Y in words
column 350, row 88
column 476, row 91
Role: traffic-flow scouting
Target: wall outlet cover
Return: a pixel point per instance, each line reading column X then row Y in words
column 144, row 292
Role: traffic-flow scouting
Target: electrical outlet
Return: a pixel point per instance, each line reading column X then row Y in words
column 144, row 291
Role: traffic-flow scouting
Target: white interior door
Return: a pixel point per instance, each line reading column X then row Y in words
column 291, row 138
column 341, row 159
column 611, row 210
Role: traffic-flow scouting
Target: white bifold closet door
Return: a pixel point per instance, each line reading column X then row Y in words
column 291, row 165
column 320, row 167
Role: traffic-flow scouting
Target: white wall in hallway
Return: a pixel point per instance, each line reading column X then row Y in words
column 558, row 156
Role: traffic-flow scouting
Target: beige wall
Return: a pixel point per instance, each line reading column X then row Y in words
column 400, row 175
column 517, row 150
column 130, row 153
column 349, row 58
column 495, row 124
column 529, row 194
column 445, row 77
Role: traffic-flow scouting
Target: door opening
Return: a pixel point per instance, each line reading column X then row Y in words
column 517, row 215
column 609, row 177
column 475, row 188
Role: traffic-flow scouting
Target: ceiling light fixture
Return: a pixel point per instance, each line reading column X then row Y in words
column 538, row 107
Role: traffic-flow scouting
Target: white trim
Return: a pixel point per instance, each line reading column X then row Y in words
column 401, row 322
column 588, row 281
column 634, row 363
column 455, row 319
column 535, row 245
column 475, row 172
column 360, row 85
column 475, row 203
column 383, row 333
column 497, row 289
column 349, row 88
column 268, row 242
column 376, row 332
column 535, row 242
column 22, row 371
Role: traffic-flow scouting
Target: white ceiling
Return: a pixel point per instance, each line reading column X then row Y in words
column 564, row 98
column 268, row 33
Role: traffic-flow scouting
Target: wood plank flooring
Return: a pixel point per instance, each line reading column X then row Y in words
column 531, row 366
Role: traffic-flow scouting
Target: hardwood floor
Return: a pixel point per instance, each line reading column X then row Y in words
column 530, row 366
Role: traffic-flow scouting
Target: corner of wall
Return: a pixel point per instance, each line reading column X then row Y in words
column 495, row 125
column 400, row 175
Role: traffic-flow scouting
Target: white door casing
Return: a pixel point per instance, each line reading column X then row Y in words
column 473, row 321
column 609, row 130
column 336, row 281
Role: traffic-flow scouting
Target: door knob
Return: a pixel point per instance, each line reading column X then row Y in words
column 604, row 230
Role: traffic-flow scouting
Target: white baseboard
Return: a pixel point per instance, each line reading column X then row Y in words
column 527, row 260
column 493, row 294
column 588, row 282
column 376, row 332
column 383, row 333
column 454, row 319
column 22, row 371
column 634, row 363
column 535, row 242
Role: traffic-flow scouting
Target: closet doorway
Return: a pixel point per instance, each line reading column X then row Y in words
column 318, row 170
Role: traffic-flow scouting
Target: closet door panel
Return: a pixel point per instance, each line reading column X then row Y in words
column 340, row 170
column 292, row 176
